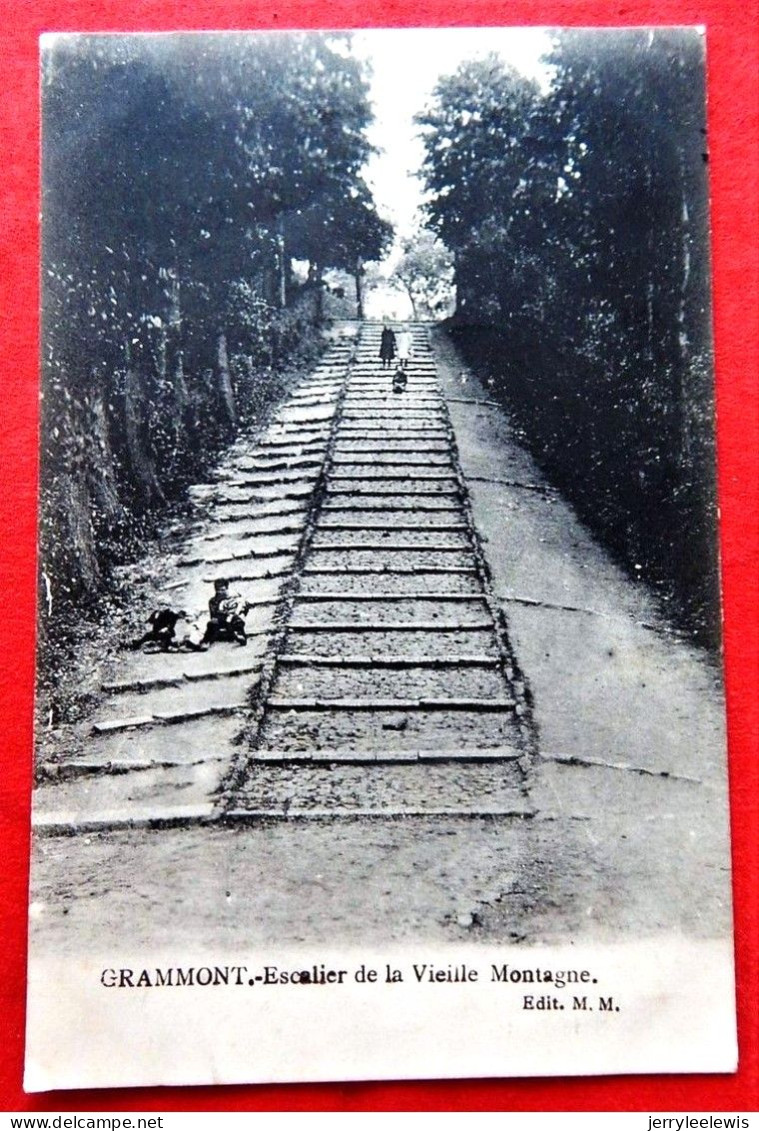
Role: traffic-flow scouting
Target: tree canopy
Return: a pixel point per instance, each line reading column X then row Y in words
column 182, row 174
column 425, row 273
column 578, row 220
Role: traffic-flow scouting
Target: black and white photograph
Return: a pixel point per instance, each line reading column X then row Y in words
column 380, row 724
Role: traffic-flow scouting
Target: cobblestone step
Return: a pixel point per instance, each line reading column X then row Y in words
column 383, row 568
column 390, row 626
column 436, row 730
column 369, row 505
column 410, row 547
column 415, row 527
column 404, row 786
column 378, row 616
column 276, row 703
column 403, row 643
column 392, row 597
column 388, row 756
column 391, row 682
column 357, row 660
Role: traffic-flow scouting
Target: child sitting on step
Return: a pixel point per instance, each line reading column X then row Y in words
column 227, row 615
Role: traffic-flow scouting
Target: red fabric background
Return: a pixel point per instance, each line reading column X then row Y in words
column 733, row 38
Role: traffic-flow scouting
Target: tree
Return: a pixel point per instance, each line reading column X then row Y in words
column 344, row 233
column 425, row 273
column 364, row 237
column 578, row 221
column 176, row 171
column 473, row 135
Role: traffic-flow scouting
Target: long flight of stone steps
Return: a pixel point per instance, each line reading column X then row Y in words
column 377, row 679
column 164, row 736
column 390, row 687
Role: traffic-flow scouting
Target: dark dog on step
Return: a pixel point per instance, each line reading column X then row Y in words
column 162, row 631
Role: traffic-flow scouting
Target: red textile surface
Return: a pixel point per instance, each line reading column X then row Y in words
column 733, row 78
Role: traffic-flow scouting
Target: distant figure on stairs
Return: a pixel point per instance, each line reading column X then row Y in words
column 404, row 342
column 387, row 346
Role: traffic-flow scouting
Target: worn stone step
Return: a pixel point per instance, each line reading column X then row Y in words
column 293, row 445
column 388, row 682
column 440, row 731
column 422, row 491
column 377, row 560
column 165, row 790
column 263, row 479
column 277, row 703
column 327, row 376
column 174, row 716
column 390, row 443
column 295, row 430
column 311, row 659
column 253, row 494
column 423, row 419
column 313, row 402
column 360, row 401
column 197, row 694
column 409, row 781
column 276, row 464
column 405, row 642
column 390, row 626
column 412, row 406
column 380, row 494
column 243, row 555
column 372, row 614
column 394, row 528
column 390, row 547
column 143, row 685
column 512, row 812
column 385, row 431
column 250, row 510
column 415, row 393
column 242, row 495
column 196, row 741
column 457, row 583
column 256, row 517
column 262, row 574
column 392, row 505
column 283, row 423
column 279, row 532
column 387, row 476
column 381, row 568
column 324, row 380
column 79, row 822
column 316, row 394
column 389, row 757
column 417, row 390
column 431, row 531
column 436, row 415
column 166, row 717
column 442, row 598
column 404, row 467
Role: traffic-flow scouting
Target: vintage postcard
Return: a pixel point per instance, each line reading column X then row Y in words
column 380, row 722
